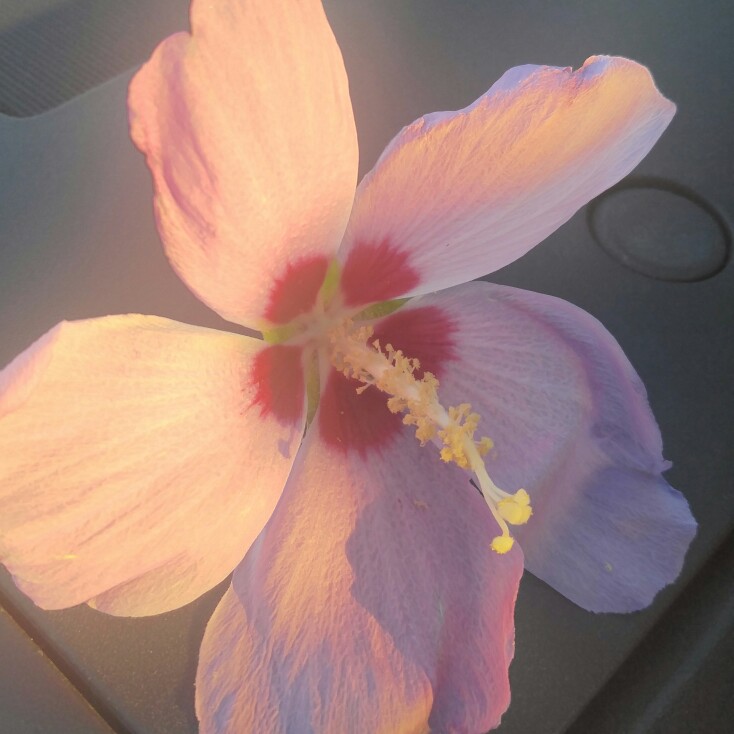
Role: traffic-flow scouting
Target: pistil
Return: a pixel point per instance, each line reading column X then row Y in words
column 390, row 371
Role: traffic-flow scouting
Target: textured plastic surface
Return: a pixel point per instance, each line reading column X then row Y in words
column 77, row 240
column 53, row 50
column 34, row 696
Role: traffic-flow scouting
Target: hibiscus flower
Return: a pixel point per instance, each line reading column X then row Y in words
column 144, row 459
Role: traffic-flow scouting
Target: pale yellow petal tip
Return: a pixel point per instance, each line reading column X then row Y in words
column 502, row 543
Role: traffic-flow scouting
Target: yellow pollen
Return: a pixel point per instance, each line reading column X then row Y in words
column 485, row 445
column 392, row 372
column 461, row 428
column 396, row 404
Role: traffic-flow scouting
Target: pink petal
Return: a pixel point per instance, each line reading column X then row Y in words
column 571, row 424
column 370, row 603
column 457, row 195
column 248, row 130
column 136, row 467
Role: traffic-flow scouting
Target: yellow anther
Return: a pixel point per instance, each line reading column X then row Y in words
column 461, row 427
column 446, row 454
column 485, row 445
column 425, row 431
column 502, row 543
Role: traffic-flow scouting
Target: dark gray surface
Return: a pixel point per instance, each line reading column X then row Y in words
column 77, row 240
column 53, row 50
column 34, row 697
column 680, row 680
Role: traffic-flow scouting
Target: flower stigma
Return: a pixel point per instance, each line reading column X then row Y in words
column 389, row 370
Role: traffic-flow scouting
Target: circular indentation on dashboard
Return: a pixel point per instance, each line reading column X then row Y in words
column 661, row 230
